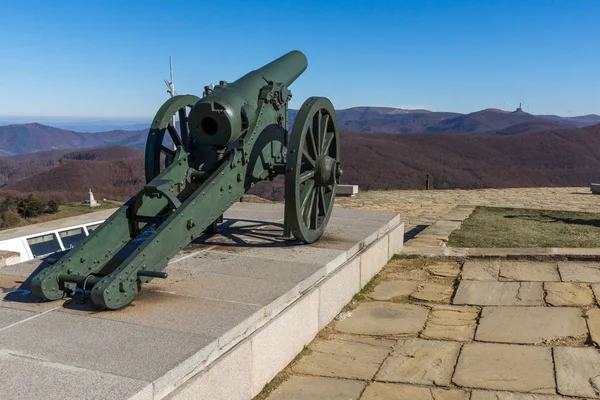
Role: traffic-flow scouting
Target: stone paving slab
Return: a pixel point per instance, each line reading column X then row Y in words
column 573, row 271
column 488, row 395
column 566, row 294
column 330, row 258
column 423, row 362
column 443, row 269
column 534, row 325
column 99, row 345
column 593, row 322
column 346, row 234
column 345, row 357
column 434, row 292
column 451, row 323
column 382, row 318
column 393, row 391
column 487, row 293
column 505, row 367
column 529, row 271
column 578, row 371
column 24, row 377
column 481, row 270
column 219, row 262
column 191, row 282
column 596, row 290
column 204, row 317
column 317, row 388
column 9, row 316
column 390, row 289
column 413, row 275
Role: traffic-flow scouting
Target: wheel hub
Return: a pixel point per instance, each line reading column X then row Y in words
column 326, row 171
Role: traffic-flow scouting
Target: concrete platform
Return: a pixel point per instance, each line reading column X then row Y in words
column 237, row 307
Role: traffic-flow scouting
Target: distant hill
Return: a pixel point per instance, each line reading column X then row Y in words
column 485, row 121
column 385, row 119
column 79, row 124
column 563, row 156
column 114, row 172
column 530, row 127
column 559, row 157
column 582, row 120
column 390, row 120
column 27, row 138
column 395, row 120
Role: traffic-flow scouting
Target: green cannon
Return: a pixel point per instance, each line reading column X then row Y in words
column 202, row 155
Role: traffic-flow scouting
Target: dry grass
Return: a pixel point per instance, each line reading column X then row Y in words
column 66, row 211
column 512, row 227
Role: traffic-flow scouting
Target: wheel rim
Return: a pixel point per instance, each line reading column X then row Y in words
column 312, row 169
column 163, row 134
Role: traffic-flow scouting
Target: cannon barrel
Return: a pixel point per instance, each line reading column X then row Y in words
column 222, row 116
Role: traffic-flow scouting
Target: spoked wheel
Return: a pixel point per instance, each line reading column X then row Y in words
column 312, row 169
column 159, row 148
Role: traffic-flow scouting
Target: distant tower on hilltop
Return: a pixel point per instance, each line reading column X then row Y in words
column 519, row 109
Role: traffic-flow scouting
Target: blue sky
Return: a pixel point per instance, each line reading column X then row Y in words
column 108, row 58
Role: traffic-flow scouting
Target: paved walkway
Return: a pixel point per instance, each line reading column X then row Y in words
column 444, row 330
column 423, row 207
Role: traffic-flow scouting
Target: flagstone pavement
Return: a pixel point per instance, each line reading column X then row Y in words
column 438, row 329
column 458, row 330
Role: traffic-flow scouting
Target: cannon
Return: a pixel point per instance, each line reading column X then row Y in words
column 202, row 155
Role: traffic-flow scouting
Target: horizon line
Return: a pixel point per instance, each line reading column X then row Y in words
column 141, row 119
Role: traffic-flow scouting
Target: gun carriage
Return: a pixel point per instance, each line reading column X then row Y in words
column 225, row 142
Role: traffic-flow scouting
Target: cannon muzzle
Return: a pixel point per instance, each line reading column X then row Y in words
column 224, row 115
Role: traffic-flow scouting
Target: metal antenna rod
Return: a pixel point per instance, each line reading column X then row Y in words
column 169, row 83
column 171, row 91
column 171, row 75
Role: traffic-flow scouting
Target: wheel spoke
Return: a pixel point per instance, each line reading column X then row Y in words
column 174, row 135
column 306, row 175
column 308, row 212
column 167, row 151
column 316, row 128
column 315, row 211
column 308, row 157
column 313, row 144
column 183, row 127
column 323, row 132
column 327, row 142
column 324, row 204
column 304, row 194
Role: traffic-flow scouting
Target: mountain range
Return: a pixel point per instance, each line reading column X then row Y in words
column 27, row 138
column 564, row 156
column 32, row 137
column 488, row 121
